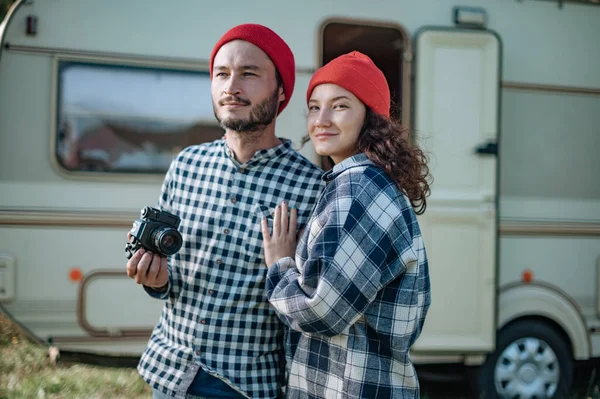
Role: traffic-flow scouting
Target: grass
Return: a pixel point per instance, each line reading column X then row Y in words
column 27, row 372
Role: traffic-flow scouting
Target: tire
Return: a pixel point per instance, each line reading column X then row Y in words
column 532, row 360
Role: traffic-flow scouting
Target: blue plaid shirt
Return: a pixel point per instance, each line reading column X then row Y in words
column 216, row 315
column 358, row 290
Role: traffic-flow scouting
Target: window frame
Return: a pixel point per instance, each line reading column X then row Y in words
column 407, row 63
column 58, row 60
column 407, row 55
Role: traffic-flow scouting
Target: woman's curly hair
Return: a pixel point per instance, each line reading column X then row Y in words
column 387, row 143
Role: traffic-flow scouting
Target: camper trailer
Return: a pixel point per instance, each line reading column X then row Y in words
column 97, row 97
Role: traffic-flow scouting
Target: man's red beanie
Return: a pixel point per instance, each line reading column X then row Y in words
column 269, row 42
column 358, row 74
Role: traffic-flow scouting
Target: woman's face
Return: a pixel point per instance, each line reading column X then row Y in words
column 335, row 118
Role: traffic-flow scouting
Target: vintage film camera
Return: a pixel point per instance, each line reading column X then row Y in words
column 156, row 231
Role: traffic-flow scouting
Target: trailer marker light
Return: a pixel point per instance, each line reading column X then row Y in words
column 527, row 276
column 470, row 17
column 75, row 275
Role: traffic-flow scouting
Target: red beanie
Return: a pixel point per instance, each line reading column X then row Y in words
column 358, row 74
column 269, row 42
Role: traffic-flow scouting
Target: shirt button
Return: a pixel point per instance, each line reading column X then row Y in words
column 219, row 261
column 211, row 292
column 226, row 231
column 233, row 200
column 242, row 170
column 198, row 352
column 203, row 321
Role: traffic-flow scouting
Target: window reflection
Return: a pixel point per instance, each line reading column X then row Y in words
column 130, row 119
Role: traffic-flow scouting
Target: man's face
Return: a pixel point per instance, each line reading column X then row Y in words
column 244, row 87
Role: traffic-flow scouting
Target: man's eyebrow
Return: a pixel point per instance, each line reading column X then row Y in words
column 251, row 67
column 243, row 68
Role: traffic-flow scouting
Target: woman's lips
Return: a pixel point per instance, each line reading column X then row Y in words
column 323, row 136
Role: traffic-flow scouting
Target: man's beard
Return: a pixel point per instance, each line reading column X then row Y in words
column 261, row 115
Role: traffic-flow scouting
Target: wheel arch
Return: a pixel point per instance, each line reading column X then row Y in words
column 549, row 304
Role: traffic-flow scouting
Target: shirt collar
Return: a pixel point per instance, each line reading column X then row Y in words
column 355, row 161
column 261, row 155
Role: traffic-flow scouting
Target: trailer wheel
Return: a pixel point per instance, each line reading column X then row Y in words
column 532, row 360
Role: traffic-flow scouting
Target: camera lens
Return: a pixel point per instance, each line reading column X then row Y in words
column 168, row 241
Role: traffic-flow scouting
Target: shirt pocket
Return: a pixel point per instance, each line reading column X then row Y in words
column 254, row 241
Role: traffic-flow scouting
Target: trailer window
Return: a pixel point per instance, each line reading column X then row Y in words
column 129, row 119
column 549, row 144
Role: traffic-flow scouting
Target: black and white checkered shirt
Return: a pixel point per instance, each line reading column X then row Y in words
column 358, row 290
column 216, row 314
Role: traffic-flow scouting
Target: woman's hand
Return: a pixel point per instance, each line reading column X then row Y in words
column 283, row 241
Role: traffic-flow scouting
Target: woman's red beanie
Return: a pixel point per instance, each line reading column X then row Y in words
column 269, row 42
column 358, row 74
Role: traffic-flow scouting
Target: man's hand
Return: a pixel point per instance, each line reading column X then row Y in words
column 283, row 241
column 148, row 269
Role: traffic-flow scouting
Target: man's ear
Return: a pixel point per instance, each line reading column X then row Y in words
column 281, row 94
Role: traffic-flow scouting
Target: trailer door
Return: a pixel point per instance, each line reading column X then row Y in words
column 457, row 78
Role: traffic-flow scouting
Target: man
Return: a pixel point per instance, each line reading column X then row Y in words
column 217, row 336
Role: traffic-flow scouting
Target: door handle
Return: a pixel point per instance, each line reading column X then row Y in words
column 488, row 148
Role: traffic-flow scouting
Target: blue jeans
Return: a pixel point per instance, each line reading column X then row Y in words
column 159, row 395
column 212, row 388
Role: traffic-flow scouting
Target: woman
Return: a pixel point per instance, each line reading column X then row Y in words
column 358, row 289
